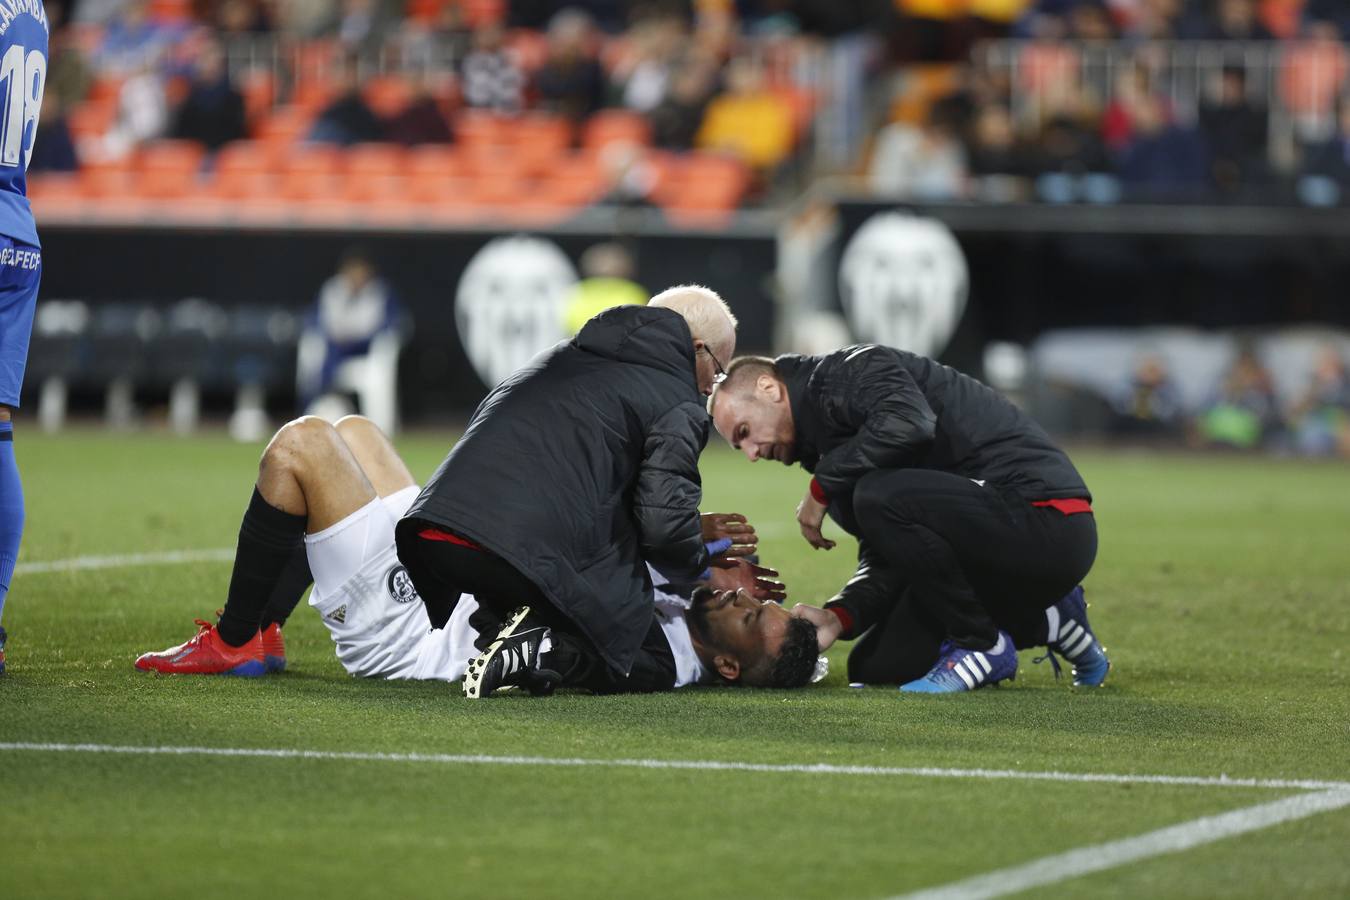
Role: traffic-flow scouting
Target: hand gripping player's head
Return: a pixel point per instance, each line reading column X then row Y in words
column 752, row 412
column 711, row 324
column 752, row 642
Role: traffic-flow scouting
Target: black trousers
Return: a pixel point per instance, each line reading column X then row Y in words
column 962, row 561
column 441, row 571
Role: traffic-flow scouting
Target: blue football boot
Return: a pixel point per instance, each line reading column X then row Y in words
column 1071, row 637
column 961, row 669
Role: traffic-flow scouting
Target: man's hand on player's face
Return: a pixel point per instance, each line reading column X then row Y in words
column 759, row 582
column 828, row 625
column 733, row 526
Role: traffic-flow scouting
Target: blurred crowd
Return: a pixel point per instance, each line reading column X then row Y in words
column 996, row 100
column 1110, row 100
column 1244, row 410
column 127, row 73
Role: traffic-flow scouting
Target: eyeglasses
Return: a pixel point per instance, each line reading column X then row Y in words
column 720, row 373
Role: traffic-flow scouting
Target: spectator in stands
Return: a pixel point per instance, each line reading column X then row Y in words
column 353, row 307
column 241, row 18
column 1333, row 12
column 133, row 39
column 53, row 149
column 1225, row 20
column 360, row 26
column 1089, row 20
column 993, row 148
column 68, row 73
column 142, row 114
column 491, row 78
column 571, row 81
column 445, row 38
column 1244, row 413
column 348, row 119
column 1331, row 158
column 1321, row 418
column 606, row 280
column 420, row 122
column 676, row 121
column 1235, row 134
column 923, row 163
column 1155, row 156
column 629, row 177
column 748, row 120
column 642, row 81
column 1069, row 146
column 212, row 113
column 1312, row 70
column 1150, row 405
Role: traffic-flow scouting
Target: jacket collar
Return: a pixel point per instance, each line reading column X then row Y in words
column 796, row 372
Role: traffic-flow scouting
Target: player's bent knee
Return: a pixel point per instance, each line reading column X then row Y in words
column 296, row 440
column 354, row 427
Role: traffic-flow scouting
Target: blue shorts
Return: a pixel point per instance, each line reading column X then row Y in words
column 20, row 272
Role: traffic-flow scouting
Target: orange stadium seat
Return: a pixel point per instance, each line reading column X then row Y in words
column 321, row 158
column 259, row 91
column 434, row 162
column 375, row 160
column 170, row 10
column 313, row 94
column 285, row 126
column 169, row 169
column 539, row 140
column 91, row 119
column 309, row 184
column 615, row 126
column 703, row 186
column 244, row 170
column 474, row 128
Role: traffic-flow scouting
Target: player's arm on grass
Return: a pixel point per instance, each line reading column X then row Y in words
column 859, row 605
column 665, row 501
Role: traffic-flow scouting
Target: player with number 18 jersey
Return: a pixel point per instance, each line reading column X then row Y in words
column 23, row 74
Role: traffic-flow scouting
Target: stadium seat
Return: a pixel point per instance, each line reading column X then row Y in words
column 181, row 357
column 57, row 356
column 255, row 355
column 259, row 91
column 119, row 340
column 434, row 162
column 375, row 160
column 474, row 128
column 284, row 126
column 615, row 126
column 91, row 119
column 168, row 169
column 540, row 140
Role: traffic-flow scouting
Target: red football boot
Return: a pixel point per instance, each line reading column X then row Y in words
column 207, row 654
column 274, row 649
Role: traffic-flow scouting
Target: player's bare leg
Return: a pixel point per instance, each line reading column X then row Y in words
column 375, row 455
column 308, row 480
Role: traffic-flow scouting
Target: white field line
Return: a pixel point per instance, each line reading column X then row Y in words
column 168, row 557
column 1113, row 854
column 703, row 765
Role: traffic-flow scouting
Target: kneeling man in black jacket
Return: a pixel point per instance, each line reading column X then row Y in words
column 973, row 528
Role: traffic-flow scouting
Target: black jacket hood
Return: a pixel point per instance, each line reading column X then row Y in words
column 656, row 338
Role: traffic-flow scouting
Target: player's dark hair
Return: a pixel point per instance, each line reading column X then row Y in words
column 796, row 660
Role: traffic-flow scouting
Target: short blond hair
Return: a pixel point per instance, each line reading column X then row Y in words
column 709, row 318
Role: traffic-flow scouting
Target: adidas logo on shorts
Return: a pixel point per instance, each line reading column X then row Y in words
column 339, row 615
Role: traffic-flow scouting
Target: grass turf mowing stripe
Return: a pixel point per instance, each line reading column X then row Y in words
column 1113, row 854
column 80, row 563
column 684, row 764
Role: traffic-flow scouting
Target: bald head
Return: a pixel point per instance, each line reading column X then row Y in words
column 752, row 411
column 711, row 325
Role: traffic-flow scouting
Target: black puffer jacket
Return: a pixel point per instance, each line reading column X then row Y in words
column 869, row 407
column 583, row 465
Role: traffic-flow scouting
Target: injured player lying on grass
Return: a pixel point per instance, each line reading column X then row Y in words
column 325, row 505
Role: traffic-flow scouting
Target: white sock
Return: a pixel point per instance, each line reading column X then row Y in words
column 545, row 644
column 1052, row 625
column 998, row 647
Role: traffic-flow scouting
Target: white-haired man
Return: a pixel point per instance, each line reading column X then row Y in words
column 572, row 473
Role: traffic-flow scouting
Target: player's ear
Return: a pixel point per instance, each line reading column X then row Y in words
column 729, row 667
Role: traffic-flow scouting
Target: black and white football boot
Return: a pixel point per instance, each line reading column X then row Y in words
column 513, row 660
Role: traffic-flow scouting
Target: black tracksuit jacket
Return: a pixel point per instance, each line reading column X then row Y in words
column 870, row 407
column 583, row 466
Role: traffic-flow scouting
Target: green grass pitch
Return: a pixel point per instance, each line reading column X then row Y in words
column 1222, row 592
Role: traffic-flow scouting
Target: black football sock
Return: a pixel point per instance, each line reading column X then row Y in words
column 291, row 586
column 267, row 539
